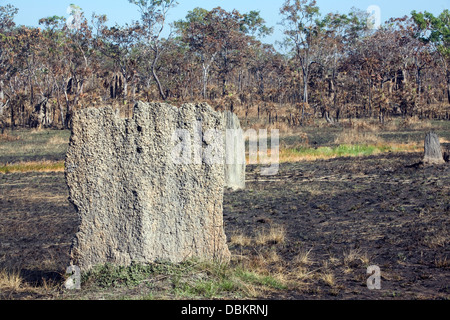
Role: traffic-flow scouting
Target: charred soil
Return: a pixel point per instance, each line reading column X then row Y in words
column 337, row 217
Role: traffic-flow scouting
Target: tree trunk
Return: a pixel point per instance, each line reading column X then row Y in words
column 205, row 80
column 68, row 110
column 61, row 112
column 370, row 98
column 12, row 117
column 2, row 95
column 133, row 90
column 448, row 86
column 2, row 125
column 155, row 77
column 305, row 86
column 419, row 83
column 327, row 117
column 404, row 75
column 305, row 92
column 79, row 92
column 448, row 91
column 224, row 85
column 381, row 115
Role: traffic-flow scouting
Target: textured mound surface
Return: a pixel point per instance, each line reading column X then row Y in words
column 135, row 203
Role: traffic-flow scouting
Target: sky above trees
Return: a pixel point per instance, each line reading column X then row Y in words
column 334, row 64
column 121, row 11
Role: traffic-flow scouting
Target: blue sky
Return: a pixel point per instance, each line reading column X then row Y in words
column 120, row 11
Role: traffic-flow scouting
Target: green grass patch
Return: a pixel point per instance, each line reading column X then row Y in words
column 188, row 280
column 109, row 275
column 356, row 150
column 208, row 288
column 258, row 279
column 340, row 151
column 34, row 145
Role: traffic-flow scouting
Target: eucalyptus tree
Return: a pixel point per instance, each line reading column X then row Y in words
column 119, row 44
column 199, row 32
column 7, row 14
column 220, row 39
column 435, row 30
column 301, row 27
column 152, row 24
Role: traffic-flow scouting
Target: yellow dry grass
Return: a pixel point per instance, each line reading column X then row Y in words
column 34, row 166
column 353, row 255
column 303, row 258
column 240, row 240
column 10, row 280
column 5, row 137
column 328, row 278
column 57, row 140
column 354, row 136
column 311, row 154
column 274, row 235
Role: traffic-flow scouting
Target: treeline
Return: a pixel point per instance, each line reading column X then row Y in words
column 334, row 66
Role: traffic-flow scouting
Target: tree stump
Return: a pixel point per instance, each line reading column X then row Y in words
column 433, row 150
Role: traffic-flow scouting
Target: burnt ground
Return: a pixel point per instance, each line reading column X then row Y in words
column 349, row 213
column 355, row 212
column 37, row 225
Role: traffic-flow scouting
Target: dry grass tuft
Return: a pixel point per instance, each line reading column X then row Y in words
column 240, row 240
column 303, row 258
column 328, row 278
column 273, row 257
column 302, row 273
column 10, row 280
column 57, row 140
column 442, row 263
column 437, row 240
column 355, row 255
column 410, row 123
column 276, row 234
column 354, row 136
column 415, row 123
column 363, row 125
column 7, row 138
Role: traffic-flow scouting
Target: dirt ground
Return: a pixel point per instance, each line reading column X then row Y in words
column 354, row 212
column 348, row 213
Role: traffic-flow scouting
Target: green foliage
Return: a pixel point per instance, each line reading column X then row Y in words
column 7, row 14
column 150, row 3
column 434, row 30
column 115, row 276
column 331, row 64
column 248, row 23
column 300, row 17
column 197, row 15
column 189, row 279
column 153, row 10
column 252, row 23
column 53, row 21
column 258, row 279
